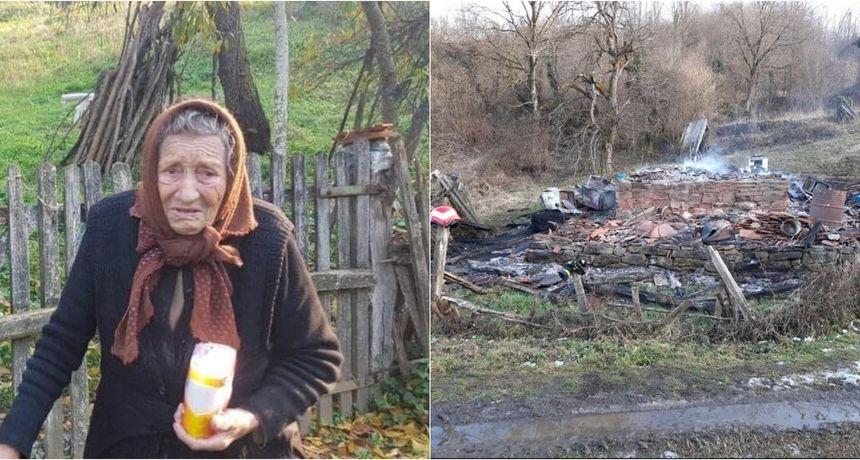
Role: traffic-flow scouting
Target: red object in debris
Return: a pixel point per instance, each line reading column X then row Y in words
column 444, row 216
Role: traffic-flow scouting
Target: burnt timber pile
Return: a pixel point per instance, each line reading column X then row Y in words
column 647, row 234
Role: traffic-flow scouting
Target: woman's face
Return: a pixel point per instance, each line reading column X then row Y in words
column 192, row 180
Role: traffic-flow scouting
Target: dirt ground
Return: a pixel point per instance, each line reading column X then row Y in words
column 838, row 440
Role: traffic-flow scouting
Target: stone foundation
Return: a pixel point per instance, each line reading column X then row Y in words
column 739, row 259
column 768, row 194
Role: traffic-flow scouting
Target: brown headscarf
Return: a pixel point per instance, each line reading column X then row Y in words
column 212, row 314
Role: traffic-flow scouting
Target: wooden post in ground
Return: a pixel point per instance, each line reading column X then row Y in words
column 442, row 236
column 79, row 385
column 718, row 305
column 734, row 292
column 634, row 294
column 323, row 250
column 49, row 258
column 580, row 292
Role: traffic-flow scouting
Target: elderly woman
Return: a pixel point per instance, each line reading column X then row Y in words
column 189, row 257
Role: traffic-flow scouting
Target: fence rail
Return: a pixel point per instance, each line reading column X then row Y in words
column 357, row 284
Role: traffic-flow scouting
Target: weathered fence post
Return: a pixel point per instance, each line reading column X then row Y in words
column 323, row 253
column 344, row 258
column 19, row 258
column 79, row 385
column 255, row 174
column 276, row 179
column 300, row 198
column 92, row 184
column 384, row 295
column 49, row 258
column 120, row 177
column 362, row 306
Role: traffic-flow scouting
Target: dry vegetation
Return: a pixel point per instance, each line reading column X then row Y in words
column 504, row 115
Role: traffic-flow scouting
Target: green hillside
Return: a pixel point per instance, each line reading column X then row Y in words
column 50, row 50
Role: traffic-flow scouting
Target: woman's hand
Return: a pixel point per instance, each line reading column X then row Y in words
column 228, row 426
column 7, row 451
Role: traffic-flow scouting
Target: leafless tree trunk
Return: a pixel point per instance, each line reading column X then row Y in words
column 282, row 76
column 761, row 30
column 535, row 29
column 617, row 34
column 237, row 80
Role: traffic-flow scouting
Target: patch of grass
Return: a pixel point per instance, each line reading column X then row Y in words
column 480, row 368
column 508, row 301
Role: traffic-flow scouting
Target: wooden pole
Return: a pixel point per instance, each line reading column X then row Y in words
column 734, row 292
column 580, row 292
column 634, row 294
column 442, row 236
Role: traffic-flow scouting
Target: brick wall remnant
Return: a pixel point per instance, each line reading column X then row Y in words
column 767, row 194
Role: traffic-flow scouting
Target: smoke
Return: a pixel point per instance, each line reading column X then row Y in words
column 711, row 161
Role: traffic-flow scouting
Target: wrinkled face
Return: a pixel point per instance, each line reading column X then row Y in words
column 192, row 180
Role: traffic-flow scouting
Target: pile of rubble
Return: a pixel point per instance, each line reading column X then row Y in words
column 696, row 235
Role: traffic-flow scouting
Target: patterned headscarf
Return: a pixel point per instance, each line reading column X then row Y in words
column 212, row 314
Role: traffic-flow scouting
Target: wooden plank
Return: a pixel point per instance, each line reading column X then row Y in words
column 276, row 179
column 460, row 202
column 305, row 422
column 54, row 431
column 344, row 279
column 580, row 292
column 49, row 247
column 300, row 204
column 92, row 184
column 362, row 306
column 49, row 262
column 405, row 281
column 255, row 174
column 323, row 222
column 343, row 323
column 373, row 379
column 79, row 385
column 352, row 190
column 19, row 257
column 120, row 177
column 323, row 257
column 384, row 295
column 418, row 243
column 637, row 305
column 25, row 324
column 734, row 292
column 465, row 283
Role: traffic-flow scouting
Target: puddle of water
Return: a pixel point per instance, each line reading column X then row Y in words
column 631, row 425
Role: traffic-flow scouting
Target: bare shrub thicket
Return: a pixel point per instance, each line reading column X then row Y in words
column 624, row 81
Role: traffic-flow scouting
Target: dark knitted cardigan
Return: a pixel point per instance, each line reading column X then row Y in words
column 289, row 355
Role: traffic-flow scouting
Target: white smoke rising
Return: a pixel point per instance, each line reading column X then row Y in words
column 710, row 163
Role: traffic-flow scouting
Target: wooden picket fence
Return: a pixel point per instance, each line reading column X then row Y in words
column 358, row 287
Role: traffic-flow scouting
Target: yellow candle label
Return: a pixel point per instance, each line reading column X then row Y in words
column 196, row 425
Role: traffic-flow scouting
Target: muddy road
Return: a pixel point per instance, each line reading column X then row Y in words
column 800, row 422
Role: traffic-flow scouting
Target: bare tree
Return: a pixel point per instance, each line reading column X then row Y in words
column 760, row 31
column 534, row 29
column 619, row 32
column 237, row 79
